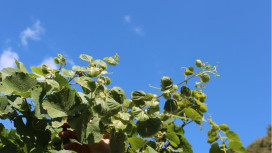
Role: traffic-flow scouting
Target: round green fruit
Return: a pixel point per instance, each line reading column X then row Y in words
column 170, row 106
column 166, row 83
column 198, row 63
column 224, row 127
column 205, row 78
column 94, row 72
column 185, row 91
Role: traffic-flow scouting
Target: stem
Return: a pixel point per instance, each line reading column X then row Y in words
column 185, row 80
column 190, row 77
column 73, row 83
column 222, row 139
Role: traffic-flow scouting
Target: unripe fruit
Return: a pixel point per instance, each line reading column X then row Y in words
column 170, row 106
column 176, row 95
column 44, row 69
column 148, row 96
column 56, row 60
column 94, row 72
column 189, row 71
column 224, row 127
column 166, row 83
column 185, row 91
column 198, row 63
column 107, row 80
column 166, row 94
column 205, row 78
column 203, row 108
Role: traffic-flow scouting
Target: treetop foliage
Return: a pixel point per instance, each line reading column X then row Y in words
column 38, row 103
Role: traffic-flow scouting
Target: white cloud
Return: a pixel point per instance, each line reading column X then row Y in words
column 70, row 61
column 7, row 58
column 127, row 18
column 50, row 62
column 32, row 33
column 139, row 31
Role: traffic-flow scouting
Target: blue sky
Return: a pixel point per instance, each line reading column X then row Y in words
column 156, row 38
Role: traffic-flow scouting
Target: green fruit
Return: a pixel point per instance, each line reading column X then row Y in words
column 176, row 95
column 205, row 78
column 94, row 72
column 185, row 91
column 166, row 94
column 224, row 127
column 175, row 87
column 45, row 69
column 203, row 108
column 198, row 63
column 189, row 71
column 170, row 106
column 56, row 60
column 107, row 81
column 148, row 128
column 166, row 83
column 148, row 96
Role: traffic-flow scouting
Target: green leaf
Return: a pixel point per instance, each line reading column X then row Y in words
column 166, row 83
column 86, row 99
column 63, row 103
column 86, row 82
column 119, row 125
column 110, row 60
column 116, row 57
column 139, row 114
column 5, row 110
column 113, row 106
column 18, row 81
column 21, row 66
column 153, row 111
column 124, row 116
column 175, row 129
column 236, row 146
column 37, row 96
column 118, row 142
column 61, row 80
column 148, row 128
column 136, row 143
column 80, row 68
column 31, row 131
column 232, row 135
column 38, row 70
column 19, row 103
column 149, row 149
column 138, row 97
column 191, row 113
column 67, row 73
column 86, row 57
column 173, row 139
column 61, row 151
column 100, row 64
column 215, row 148
column 118, row 94
column 8, row 72
column 53, row 83
column 187, row 148
column 94, row 131
column 22, row 94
